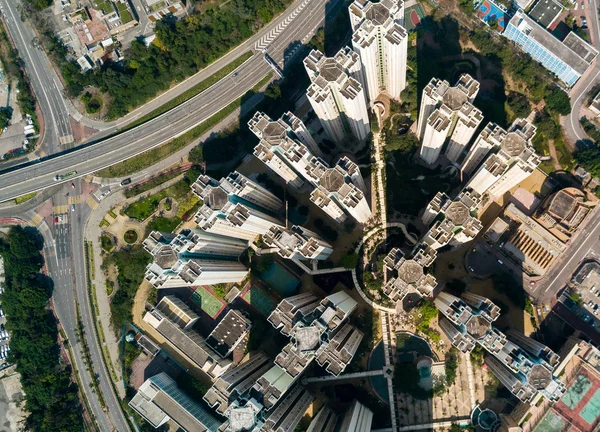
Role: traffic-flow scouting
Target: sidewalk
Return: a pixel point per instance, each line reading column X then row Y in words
column 92, row 233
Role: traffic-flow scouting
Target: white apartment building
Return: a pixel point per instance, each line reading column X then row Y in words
column 381, row 42
column 447, row 111
column 514, row 162
column 297, row 243
column 280, row 151
column 235, row 206
column 337, row 95
column 193, row 258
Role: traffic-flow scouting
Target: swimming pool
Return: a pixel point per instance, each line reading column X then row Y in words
column 376, row 362
column 281, row 280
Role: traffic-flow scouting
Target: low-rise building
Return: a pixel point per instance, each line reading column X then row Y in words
column 173, row 320
column 228, row 333
column 159, row 400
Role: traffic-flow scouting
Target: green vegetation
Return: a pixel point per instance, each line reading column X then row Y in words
column 23, row 198
column 428, row 312
column 518, row 105
column 477, row 355
column 112, row 214
column 106, row 242
column 163, row 224
column 145, row 207
column 506, row 284
column 558, row 101
column 104, row 223
column 5, row 116
column 588, row 153
column 220, row 290
column 190, row 93
column 130, row 236
column 131, row 264
column 349, row 260
column 451, row 366
column 181, row 48
column 94, row 105
column 51, row 399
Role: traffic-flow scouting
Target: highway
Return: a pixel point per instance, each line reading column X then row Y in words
column 86, row 160
column 44, row 81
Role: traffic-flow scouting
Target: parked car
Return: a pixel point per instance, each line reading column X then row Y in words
column 583, row 22
column 582, row 5
column 126, row 182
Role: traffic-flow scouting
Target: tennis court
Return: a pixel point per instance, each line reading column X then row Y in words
column 207, row 301
column 577, row 391
column 591, row 410
column 412, row 17
column 259, row 300
column 489, row 11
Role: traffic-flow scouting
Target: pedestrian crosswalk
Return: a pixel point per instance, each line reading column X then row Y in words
column 266, row 40
column 92, row 202
column 74, row 199
column 60, row 209
column 35, row 220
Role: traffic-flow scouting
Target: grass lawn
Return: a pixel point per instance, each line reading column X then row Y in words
column 150, row 157
column 163, row 224
column 104, row 223
column 207, row 301
column 23, row 198
column 150, row 184
column 143, row 208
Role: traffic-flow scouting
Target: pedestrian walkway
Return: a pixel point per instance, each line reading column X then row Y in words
column 91, row 201
column 356, row 375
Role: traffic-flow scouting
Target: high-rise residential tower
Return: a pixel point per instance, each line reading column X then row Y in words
column 381, row 42
column 522, row 364
column 236, row 206
column 514, row 162
column 193, row 257
column 337, row 95
column 447, row 111
column 297, row 243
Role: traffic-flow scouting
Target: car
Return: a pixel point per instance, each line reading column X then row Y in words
column 56, row 177
column 126, row 182
column 576, row 6
column 72, row 207
column 56, row 219
column 72, row 185
column 501, row 245
column 471, row 268
column 582, row 5
column 532, row 283
column 500, row 262
column 583, row 22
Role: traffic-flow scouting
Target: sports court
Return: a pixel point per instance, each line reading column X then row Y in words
column 412, row 17
column 207, row 301
column 489, row 11
column 258, row 299
column 580, row 405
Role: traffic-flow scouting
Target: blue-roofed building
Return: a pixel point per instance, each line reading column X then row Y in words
column 159, row 400
column 568, row 60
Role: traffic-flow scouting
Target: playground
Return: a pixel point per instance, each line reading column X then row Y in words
column 490, row 11
column 207, row 301
column 412, row 17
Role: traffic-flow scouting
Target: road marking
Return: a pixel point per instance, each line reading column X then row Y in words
column 92, row 202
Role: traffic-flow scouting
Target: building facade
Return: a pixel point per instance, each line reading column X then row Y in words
column 337, row 95
column 447, row 111
column 381, row 41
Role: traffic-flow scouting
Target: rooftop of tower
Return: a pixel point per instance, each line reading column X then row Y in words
column 331, row 70
column 165, row 257
column 410, row 271
column 513, row 144
column 378, row 13
column 457, row 213
column 455, row 98
column 478, row 326
column 216, row 199
column 332, row 180
column 539, row 377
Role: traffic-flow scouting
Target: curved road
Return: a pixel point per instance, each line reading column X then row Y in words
column 85, row 160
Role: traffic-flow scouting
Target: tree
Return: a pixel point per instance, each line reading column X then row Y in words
column 558, row 101
column 349, row 260
column 403, row 143
column 5, row 116
column 519, row 104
